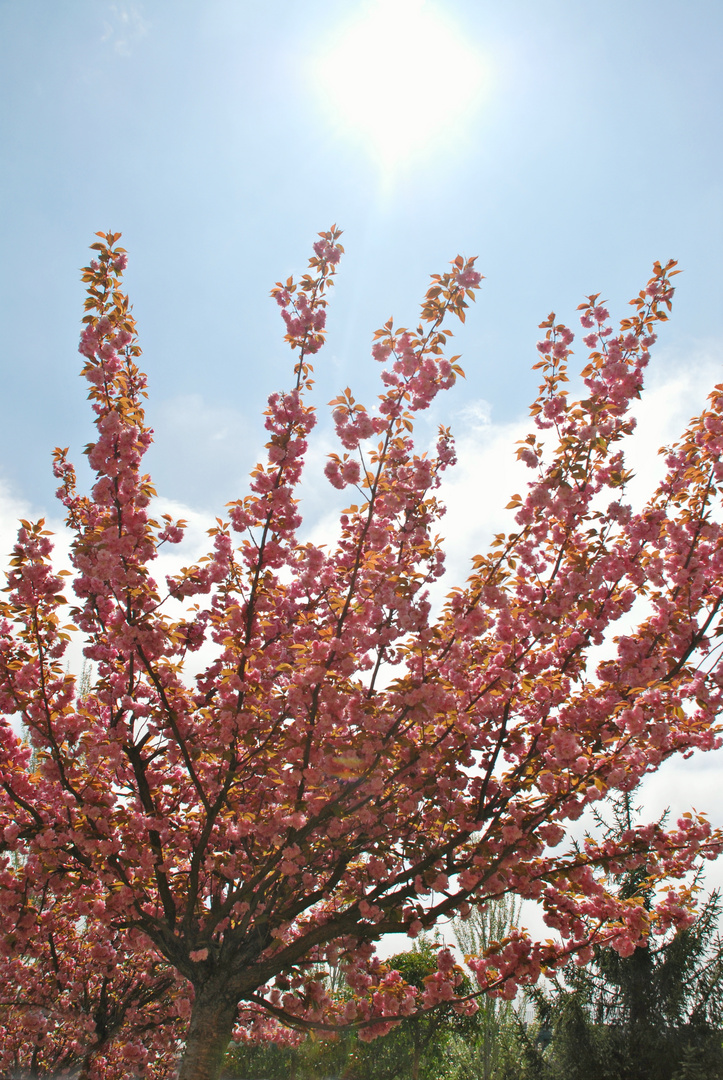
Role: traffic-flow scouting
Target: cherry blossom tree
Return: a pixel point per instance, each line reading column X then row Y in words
column 77, row 999
column 345, row 765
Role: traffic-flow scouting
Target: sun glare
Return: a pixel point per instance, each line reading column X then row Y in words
column 399, row 78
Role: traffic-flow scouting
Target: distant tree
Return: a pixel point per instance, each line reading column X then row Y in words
column 479, row 1055
column 268, row 1060
column 412, row 1050
column 415, row 1049
column 657, row 1012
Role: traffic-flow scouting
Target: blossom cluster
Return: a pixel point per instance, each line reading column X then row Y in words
column 338, row 765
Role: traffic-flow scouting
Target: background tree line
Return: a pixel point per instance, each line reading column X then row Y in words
column 657, row 1013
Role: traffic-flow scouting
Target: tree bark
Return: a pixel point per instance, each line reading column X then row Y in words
column 209, row 1033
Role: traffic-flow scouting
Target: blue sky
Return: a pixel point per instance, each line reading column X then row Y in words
column 200, row 130
column 197, row 129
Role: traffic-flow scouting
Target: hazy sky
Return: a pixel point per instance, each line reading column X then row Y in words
column 567, row 144
column 579, row 144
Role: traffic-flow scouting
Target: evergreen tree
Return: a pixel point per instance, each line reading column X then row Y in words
column 653, row 1014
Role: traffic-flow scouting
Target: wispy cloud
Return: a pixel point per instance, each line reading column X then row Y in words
column 207, row 444
column 123, row 26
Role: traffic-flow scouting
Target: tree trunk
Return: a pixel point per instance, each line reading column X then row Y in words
column 86, row 1065
column 416, row 1055
column 209, row 1033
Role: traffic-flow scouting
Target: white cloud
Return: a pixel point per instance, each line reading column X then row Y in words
column 202, row 451
column 477, row 490
column 195, row 544
column 123, row 26
column 12, row 509
column 677, row 389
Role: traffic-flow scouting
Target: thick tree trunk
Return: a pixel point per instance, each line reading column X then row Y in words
column 209, row 1033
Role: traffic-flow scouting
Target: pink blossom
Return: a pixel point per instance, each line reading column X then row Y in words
column 470, row 279
column 339, row 758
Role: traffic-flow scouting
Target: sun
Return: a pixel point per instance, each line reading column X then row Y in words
column 399, row 78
